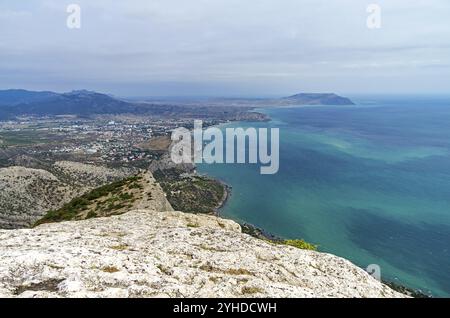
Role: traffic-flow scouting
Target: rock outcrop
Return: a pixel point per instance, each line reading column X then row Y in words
column 145, row 253
column 26, row 194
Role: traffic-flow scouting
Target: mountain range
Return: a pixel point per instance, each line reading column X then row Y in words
column 83, row 102
column 16, row 102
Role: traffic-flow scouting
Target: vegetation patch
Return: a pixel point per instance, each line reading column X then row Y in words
column 107, row 200
column 246, row 290
column 263, row 235
column 110, row 269
column 91, row 215
column 190, row 193
column 24, row 138
column 301, row 244
column 121, row 247
column 239, row 271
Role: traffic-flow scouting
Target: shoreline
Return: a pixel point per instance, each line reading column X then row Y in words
column 228, row 188
column 248, row 228
column 260, row 233
column 227, row 191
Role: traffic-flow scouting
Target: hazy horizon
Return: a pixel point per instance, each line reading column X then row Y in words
column 226, row 48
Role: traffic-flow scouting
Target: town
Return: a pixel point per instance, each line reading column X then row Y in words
column 106, row 139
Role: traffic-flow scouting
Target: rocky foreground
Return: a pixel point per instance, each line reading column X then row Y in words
column 144, row 253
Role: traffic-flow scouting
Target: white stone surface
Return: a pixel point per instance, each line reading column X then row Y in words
column 168, row 254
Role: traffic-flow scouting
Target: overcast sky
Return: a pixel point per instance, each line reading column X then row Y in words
column 226, row 47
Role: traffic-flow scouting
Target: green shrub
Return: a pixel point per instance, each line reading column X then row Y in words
column 301, row 244
column 91, row 215
column 125, row 196
column 70, row 210
column 135, row 185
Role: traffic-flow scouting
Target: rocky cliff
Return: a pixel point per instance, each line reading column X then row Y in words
column 26, row 194
column 152, row 251
column 144, row 253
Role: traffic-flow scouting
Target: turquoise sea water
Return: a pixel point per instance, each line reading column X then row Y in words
column 370, row 183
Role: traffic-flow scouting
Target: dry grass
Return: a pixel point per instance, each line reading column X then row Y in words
column 246, row 290
column 121, row 247
column 110, row 269
column 160, row 143
column 239, row 271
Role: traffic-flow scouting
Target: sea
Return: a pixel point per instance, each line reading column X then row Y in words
column 369, row 182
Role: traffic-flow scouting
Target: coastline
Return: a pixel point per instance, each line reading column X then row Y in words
column 247, row 228
column 228, row 188
column 260, row 233
column 227, row 191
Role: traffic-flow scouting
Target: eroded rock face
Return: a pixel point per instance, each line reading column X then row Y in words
column 26, row 194
column 167, row 254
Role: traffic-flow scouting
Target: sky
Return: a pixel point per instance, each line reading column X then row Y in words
column 226, row 48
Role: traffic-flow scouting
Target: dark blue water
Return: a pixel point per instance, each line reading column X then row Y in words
column 369, row 182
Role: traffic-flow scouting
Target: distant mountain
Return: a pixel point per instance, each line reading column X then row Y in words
column 77, row 103
column 19, row 96
column 16, row 102
column 83, row 102
column 318, row 99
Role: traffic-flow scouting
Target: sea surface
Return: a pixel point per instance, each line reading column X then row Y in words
column 370, row 183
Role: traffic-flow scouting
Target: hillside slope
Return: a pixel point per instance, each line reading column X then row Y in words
column 140, row 191
column 18, row 96
column 26, row 194
column 144, row 253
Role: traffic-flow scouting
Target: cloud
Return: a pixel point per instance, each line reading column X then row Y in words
column 275, row 46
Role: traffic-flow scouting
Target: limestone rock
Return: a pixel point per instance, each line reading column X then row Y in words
column 145, row 253
column 26, row 194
